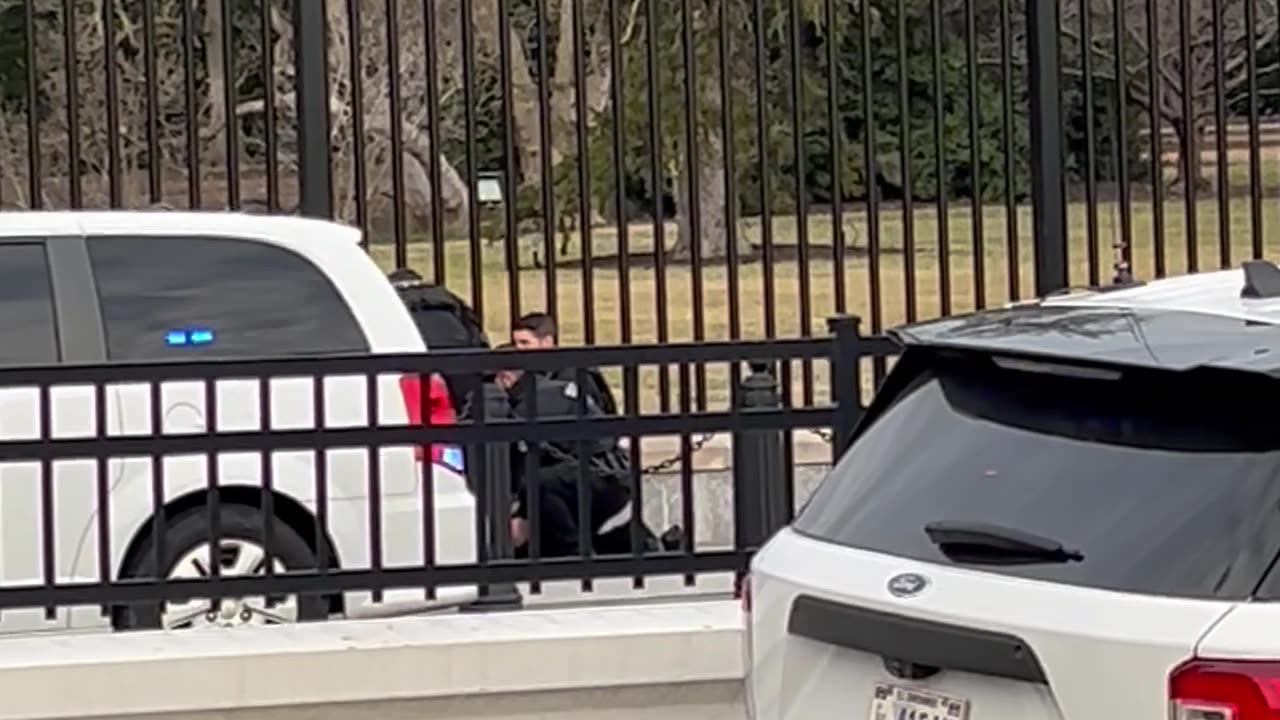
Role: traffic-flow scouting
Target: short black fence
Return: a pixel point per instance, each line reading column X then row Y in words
column 284, row 454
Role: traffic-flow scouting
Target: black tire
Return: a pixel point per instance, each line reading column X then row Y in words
column 189, row 530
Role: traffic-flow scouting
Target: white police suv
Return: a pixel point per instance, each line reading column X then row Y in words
column 155, row 287
column 1068, row 509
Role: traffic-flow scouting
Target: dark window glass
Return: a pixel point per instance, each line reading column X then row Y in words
column 27, row 329
column 216, row 297
column 1165, row 482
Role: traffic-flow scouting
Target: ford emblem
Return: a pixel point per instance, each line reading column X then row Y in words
column 905, row 585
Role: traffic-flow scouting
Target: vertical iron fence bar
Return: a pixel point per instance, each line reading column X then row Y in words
column 765, row 169
column 430, row 31
column 478, row 462
column 532, row 490
column 1012, row 246
column 69, row 58
column 656, row 185
column 1048, row 207
column 1125, row 271
column 631, row 405
column 1090, row 159
column 321, row 460
column 231, row 128
column 34, row 184
column 102, row 487
column 620, row 174
column 374, row 454
column 159, row 527
column 687, row 515
column 194, row 200
column 872, row 179
column 584, row 175
column 270, row 141
column 114, row 190
column 355, row 47
column 1190, row 153
column 546, row 149
column 1155, row 80
column 693, row 183
column 315, row 189
column 975, row 165
column 1255, row 142
column 1220, row 135
column 732, row 271
column 48, row 547
column 586, row 523
column 785, row 495
column 904, row 148
column 267, row 470
column 940, row 160
column 473, row 182
column 836, row 130
column 511, row 235
column 213, row 495
column 397, row 130
column 429, row 489
column 154, row 188
column 846, row 382
column 801, row 189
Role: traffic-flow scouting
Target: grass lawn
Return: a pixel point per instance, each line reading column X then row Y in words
column 893, row 280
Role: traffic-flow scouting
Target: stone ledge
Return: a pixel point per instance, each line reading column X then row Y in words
column 258, row 671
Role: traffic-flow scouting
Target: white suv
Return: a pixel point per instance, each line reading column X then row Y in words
column 1065, row 510
column 158, row 287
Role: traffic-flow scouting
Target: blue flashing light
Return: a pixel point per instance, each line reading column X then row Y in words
column 452, row 457
column 189, row 336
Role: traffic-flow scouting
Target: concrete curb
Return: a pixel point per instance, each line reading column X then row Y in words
column 257, row 672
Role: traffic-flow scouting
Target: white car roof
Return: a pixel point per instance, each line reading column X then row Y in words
column 289, row 230
column 331, row 246
column 1210, row 293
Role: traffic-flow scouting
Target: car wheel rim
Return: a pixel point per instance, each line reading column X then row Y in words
column 235, row 558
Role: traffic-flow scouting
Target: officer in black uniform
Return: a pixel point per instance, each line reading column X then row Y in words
column 555, row 469
column 537, row 330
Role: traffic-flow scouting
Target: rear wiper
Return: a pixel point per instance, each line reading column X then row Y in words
column 977, row 542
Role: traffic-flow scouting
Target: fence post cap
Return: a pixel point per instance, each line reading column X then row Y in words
column 848, row 321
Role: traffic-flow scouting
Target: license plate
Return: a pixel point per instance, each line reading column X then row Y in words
column 890, row 702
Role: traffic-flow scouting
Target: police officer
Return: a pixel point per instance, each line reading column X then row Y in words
column 536, row 331
column 555, row 470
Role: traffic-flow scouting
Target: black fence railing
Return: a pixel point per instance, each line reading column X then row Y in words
column 654, row 173
column 168, row 493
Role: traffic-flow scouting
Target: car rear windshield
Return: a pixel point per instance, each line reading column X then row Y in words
column 1165, row 482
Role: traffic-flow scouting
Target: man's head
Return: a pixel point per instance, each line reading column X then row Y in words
column 534, row 331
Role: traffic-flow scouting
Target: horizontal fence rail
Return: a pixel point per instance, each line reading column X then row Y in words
column 129, row 475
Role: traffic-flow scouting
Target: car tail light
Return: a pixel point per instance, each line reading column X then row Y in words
column 440, row 411
column 1225, row 690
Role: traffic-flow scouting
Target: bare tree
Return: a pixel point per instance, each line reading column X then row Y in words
column 120, row 138
column 1191, row 45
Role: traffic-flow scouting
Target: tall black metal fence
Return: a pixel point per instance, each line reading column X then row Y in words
column 115, row 491
column 654, row 172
